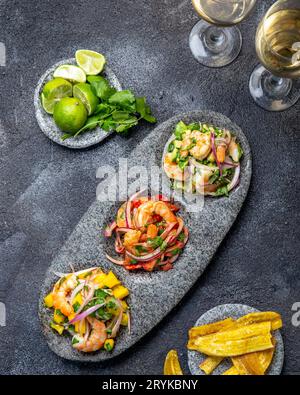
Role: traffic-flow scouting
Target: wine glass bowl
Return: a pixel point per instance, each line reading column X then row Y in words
column 223, row 12
column 215, row 41
column 273, row 84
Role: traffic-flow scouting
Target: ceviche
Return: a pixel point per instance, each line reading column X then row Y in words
column 148, row 233
column 203, row 159
column 90, row 306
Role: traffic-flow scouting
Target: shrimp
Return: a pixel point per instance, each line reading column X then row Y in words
column 60, row 293
column 96, row 338
column 221, row 153
column 146, row 210
column 234, row 150
column 202, row 147
column 173, row 170
column 131, row 238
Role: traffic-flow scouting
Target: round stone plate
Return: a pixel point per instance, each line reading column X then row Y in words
column 152, row 295
column 234, row 311
column 46, row 121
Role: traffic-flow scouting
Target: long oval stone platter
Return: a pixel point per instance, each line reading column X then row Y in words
column 46, row 121
column 152, row 295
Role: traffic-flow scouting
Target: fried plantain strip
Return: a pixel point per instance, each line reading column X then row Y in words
column 210, row 364
column 252, row 318
column 208, row 329
column 232, row 348
column 231, row 372
column 255, row 363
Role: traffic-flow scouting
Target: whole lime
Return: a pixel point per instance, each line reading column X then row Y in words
column 70, row 114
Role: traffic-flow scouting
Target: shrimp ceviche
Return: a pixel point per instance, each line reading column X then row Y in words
column 89, row 305
column 148, row 234
column 203, row 159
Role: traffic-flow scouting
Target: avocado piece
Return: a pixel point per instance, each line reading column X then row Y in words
column 174, row 154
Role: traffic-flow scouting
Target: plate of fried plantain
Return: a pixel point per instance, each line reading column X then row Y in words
column 234, row 339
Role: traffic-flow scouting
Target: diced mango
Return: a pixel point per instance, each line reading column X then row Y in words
column 71, row 316
column 57, row 328
column 124, row 321
column 80, row 327
column 111, row 280
column 124, row 305
column 100, row 279
column 78, row 299
column 120, row 292
column 109, row 344
column 48, row 300
column 58, row 317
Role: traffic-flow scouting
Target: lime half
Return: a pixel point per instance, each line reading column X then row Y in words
column 90, row 61
column 70, row 72
column 84, row 92
column 53, row 91
column 70, row 114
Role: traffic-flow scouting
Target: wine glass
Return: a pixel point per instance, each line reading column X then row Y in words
column 214, row 40
column 274, row 85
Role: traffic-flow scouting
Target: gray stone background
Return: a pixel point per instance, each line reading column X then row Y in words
column 45, row 189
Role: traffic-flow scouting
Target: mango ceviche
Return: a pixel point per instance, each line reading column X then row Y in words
column 89, row 305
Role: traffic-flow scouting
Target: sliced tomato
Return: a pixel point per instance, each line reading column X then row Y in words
column 133, row 267
column 156, row 218
column 136, row 203
column 149, row 266
column 166, row 267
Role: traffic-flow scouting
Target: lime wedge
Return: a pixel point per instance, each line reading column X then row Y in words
column 53, row 91
column 84, row 92
column 90, row 61
column 70, row 72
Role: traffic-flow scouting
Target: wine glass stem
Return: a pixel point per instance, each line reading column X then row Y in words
column 277, row 86
column 214, row 39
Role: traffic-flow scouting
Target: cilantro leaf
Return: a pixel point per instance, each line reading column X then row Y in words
column 124, row 100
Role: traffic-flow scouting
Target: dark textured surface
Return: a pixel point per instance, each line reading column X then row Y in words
column 45, row 188
column 207, row 228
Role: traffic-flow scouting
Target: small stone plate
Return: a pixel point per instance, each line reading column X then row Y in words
column 46, row 121
column 152, row 295
column 219, row 313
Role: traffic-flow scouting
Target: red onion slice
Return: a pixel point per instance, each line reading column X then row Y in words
column 145, row 258
column 200, row 166
column 128, row 208
column 116, row 323
column 86, row 313
column 213, row 147
column 236, row 178
column 116, row 261
column 109, row 229
column 75, row 292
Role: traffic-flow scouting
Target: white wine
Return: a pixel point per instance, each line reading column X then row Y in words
column 277, row 40
column 223, row 12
